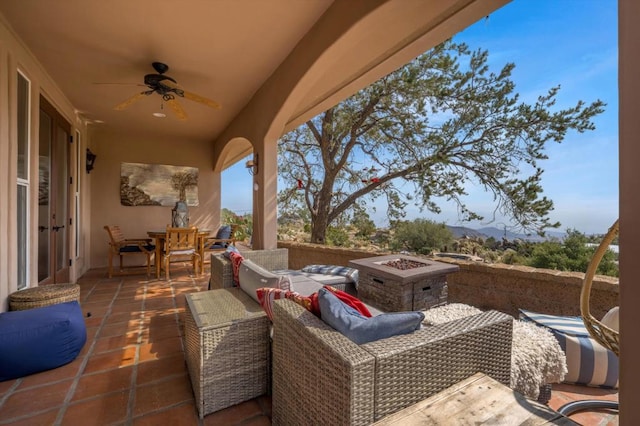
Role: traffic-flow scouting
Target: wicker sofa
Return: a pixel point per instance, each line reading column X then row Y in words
column 321, row 377
column 222, row 272
column 275, row 260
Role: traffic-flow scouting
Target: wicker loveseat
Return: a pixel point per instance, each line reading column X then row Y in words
column 222, row 272
column 321, row 377
column 275, row 260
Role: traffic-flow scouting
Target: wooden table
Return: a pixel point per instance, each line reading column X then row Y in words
column 477, row 400
column 159, row 237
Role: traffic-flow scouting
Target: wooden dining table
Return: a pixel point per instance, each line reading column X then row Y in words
column 160, row 236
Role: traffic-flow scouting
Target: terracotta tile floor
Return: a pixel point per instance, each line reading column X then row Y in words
column 132, row 370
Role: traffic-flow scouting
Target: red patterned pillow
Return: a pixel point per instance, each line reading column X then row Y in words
column 350, row 300
column 268, row 295
column 236, row 260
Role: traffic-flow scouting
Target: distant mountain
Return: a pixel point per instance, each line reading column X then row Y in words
column 498, row 234
column 463, row 231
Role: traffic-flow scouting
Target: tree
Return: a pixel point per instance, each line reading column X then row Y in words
column 573, row 254
column 365, row 227
column 180, row 181
column 441, row 122
column 244, row 222
column 420, row 236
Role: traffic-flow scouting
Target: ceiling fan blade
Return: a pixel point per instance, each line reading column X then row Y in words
column 177, row 109
column 129, row 101
column 191, row 96
column 118, row 84
column 202, row 100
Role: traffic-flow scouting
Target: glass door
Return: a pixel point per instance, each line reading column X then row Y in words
column 53, row 197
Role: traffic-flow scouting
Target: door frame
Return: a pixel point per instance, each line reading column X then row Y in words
column 55, row 275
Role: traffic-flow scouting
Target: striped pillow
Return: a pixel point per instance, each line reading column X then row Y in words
column 351, row 274
column 267, row 295
column 588, row 362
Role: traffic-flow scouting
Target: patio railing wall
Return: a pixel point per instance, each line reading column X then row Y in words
column 489, row 286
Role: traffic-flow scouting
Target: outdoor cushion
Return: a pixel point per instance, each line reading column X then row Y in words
column 230, row 249
column 268, row 295
column 39, row 339
column 134, row 248
column 350, row 274
column 588, row 362
column 224, row 233
column 361, row 329
column 612, row 319
column 253, row 276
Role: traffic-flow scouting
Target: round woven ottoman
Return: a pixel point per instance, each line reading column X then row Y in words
column 45, row 295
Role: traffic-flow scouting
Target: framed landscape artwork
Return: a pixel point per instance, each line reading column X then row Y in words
column 157, row 184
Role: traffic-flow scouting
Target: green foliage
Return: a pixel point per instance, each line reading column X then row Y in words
column 573, row 254
column 365, row 227
column 491, row 243
column 420, row 236
column 441, row 122
column 244, row 222
column 337, row 236
column 511, row 257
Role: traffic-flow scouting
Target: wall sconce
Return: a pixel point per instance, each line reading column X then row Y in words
column 252, row 165
column 91, row 159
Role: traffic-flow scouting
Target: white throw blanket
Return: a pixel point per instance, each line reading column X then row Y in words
column 536, row 356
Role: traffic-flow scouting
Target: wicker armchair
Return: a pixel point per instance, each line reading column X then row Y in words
column 321, row 377
column 222, row 272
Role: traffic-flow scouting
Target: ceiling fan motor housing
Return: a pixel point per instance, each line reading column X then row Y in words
column 153, row 80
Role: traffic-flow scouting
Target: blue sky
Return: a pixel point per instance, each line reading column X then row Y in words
column 571, row 43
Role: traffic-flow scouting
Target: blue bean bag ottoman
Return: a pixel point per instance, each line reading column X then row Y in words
column 40, row 339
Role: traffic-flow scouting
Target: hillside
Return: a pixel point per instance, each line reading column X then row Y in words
column 498, row 234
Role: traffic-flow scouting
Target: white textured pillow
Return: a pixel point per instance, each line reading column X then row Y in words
column 612, row 318
column 253, row 276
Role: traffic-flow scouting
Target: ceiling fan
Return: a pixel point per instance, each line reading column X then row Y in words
column 169, row 89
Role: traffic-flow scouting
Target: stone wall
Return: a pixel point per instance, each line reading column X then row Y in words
column 490, row 286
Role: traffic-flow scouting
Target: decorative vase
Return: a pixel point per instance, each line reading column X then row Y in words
column 180, row 215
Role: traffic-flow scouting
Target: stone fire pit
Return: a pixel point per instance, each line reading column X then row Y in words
column 399, row 282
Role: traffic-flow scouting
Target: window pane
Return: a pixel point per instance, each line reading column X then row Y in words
column 23, row 127
column 22, row 236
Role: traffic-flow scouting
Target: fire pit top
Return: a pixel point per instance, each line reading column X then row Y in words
column 402, row 267
column 404, row 264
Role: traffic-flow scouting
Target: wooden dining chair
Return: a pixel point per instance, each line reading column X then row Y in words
column 121, row 246
column 224, row 237
column 181, row 242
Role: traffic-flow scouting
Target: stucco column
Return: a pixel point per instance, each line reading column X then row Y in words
column 629, row 92
column 265, row 191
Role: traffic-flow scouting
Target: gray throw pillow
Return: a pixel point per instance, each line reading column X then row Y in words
column 361, row 329
column 229, row 250
column 253, row 276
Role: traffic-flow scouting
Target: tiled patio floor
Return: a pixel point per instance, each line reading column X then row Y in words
column 132, row 370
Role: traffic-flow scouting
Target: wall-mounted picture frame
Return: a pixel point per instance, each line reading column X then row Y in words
column 157, row 184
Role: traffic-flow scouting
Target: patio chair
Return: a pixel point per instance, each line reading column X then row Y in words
column 181, row 242
column 121, row 246
column 602, row 333
column 224, row 237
